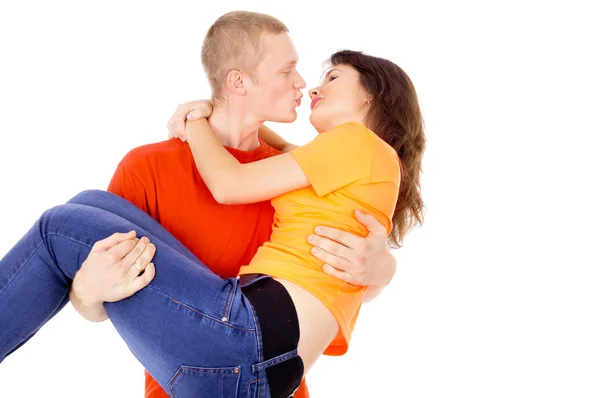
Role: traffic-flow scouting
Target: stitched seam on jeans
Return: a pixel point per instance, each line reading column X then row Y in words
column 171, row 382
column 36, row 249
column 72, row 240
column 249, row 387
column 22, row 265
column 259, row 345
column 68, row 238
column 211, row 317
column 274, row 361
column 197, row 311
column 229, row 301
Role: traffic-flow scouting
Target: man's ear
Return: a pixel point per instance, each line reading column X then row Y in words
column 234, row 82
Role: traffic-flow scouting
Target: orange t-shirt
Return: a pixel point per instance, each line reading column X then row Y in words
column 348, row 167
column 162, row 180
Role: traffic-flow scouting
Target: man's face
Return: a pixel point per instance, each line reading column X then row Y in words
column 276, row 92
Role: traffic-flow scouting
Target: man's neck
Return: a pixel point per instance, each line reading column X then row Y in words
column 234, row 128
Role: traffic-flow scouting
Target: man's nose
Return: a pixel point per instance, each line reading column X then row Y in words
column 299, row 82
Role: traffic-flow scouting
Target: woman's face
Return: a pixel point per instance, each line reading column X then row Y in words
column 339, row 99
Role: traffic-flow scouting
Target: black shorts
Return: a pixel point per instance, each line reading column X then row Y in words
column 280, row 330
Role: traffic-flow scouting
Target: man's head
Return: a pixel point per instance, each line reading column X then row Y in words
column 250, row 56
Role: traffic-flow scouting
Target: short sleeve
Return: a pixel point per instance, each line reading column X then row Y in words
column 126, row 184
column 336, row 158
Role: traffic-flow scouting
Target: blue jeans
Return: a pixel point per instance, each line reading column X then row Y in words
column 194, row 332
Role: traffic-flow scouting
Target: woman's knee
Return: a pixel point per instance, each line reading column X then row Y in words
column 54, row 218
column 91, row 197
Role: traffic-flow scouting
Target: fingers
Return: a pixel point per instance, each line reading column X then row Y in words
column 370, row 222
column 330, row 246
column 201, row 109
column 346, row 272
column 176, row 124
column 331, row 259
column 139, row 264
column 342, row 275
column 341, row 262
column 143, row 280
column 114, row 239
column 120, row 250
column 191, row 110
column 129, row 257
column 345, row 238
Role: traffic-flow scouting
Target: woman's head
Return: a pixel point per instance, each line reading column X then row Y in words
column 379, row 94
column 339, row 99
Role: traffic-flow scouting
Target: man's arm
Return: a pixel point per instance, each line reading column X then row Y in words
column 274, row 140
column 94, row 312
column 125, row 184
column 108, row 274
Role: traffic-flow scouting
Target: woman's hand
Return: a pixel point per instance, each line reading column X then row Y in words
column 191, row 110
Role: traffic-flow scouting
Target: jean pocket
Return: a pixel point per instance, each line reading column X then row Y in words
column 197, row 382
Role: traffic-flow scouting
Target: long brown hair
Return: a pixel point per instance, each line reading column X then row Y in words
column 395, row 116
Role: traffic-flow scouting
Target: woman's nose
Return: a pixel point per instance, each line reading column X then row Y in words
column 313, row 92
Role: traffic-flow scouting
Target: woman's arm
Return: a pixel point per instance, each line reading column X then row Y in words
column 231, row 182
column 274, row 139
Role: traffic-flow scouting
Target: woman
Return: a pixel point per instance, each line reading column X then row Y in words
column 262, row 332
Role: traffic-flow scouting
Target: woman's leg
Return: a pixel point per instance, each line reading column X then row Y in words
column 185, row 316
column 127, row 210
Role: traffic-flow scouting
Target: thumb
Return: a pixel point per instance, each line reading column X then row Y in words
column 370, row 222
column 113, row 240
column 194, row 114
column 199, row 112
column 201, row 109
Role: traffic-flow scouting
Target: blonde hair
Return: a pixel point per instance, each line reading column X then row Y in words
column 234, row 42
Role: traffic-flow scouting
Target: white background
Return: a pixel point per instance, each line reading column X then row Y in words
column 497, row 295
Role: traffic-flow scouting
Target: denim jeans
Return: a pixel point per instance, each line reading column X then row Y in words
column 194, row 332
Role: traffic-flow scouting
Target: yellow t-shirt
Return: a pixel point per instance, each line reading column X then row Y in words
column 348, row 167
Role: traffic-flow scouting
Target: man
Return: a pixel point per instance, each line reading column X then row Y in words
column 242, row 51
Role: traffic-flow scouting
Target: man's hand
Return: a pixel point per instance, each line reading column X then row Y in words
column 112, row 270
column 191, row 110
column 353, row 259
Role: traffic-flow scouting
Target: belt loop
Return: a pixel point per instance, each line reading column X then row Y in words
column 274, row 361
column 248, row 279
column 230, row 299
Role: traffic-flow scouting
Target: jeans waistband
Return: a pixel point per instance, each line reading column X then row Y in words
column 278, row 322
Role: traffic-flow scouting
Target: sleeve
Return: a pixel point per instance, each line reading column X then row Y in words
column 130, row 186
column 336, row 158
